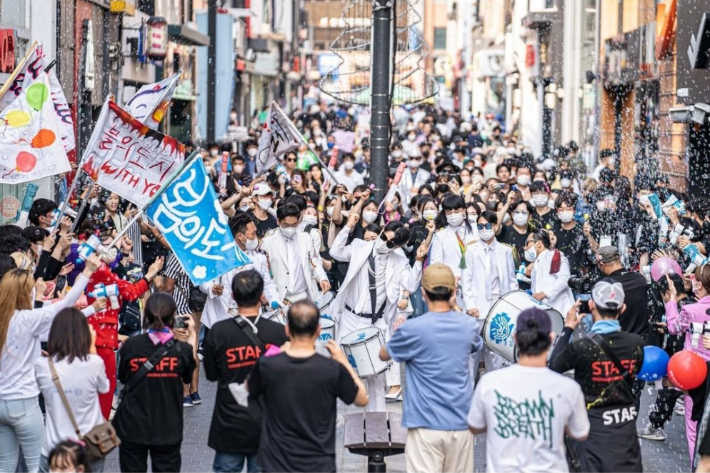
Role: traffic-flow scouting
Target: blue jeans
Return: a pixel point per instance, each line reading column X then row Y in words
column 21, row 425
column 418, row 303
column 234, row 463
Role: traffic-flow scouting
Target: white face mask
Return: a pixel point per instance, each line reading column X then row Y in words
column 520, row 219
column 396, row 154
column 612, row 162
column 214, row 152
column 540, row 200
column 381, row 247
column 369, row 217
column 566, row 217
column 472, row 219
column 288, row 232
column 429, row 215
column 252, row 245
column 329, row 211
column 601, row 206
column 523, row 180
column 455, row 220
column 486, row 235
column 348, row 165
column 358, row 154
column 506, row 218
column 244, row 208
column 644, row 199
column 251, row 151
column 531, row 254
column 565, row 183
column 411, row 137
column 413, row 163
column 310, row 220
column 265, row 204
column 466, row 179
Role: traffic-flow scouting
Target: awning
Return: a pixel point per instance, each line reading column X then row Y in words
column 183, row 34
column 541, row 19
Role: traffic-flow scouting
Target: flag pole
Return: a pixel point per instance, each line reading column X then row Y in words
column 19, row 67
column 126, row 228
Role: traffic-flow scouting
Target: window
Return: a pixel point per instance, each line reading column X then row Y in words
column 439, row 38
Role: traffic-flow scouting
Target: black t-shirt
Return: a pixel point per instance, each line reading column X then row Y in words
column 299, row 397
column 229, row 356
column 263, row 226
column 511, row 237
column 544, row 222
column 602, row 384
column 635, row 318
column 574, row 245
column 151, row 413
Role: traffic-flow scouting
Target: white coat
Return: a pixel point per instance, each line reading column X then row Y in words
column 559, row 295
column 217, row 307
column 400, row 276
column 406, row 184
column 445, row 249
column 476, row 277
column 274, row 245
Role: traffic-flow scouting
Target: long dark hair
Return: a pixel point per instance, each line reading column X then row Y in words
column 159, row 311
column 69, row 336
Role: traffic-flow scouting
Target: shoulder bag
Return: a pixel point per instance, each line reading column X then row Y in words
column 99, row 441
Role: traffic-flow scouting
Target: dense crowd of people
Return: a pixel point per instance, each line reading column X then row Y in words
column 474, row 220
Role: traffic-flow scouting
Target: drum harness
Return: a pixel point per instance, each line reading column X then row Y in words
column 375, row 314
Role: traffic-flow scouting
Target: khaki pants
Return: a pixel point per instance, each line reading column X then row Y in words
column 439, row 451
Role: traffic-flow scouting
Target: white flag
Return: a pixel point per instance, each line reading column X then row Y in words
column 151, row 101
column 277, row 138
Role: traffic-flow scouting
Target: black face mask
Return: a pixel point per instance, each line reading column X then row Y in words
column 442, row 188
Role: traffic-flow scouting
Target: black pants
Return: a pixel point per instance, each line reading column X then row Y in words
column 133, row 457
column 665, row 403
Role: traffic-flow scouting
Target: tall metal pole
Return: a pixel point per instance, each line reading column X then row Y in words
column 380, row 102
column 211, row 69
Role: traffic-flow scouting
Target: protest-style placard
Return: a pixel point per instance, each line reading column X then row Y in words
column 277, row 138
column 188, row 213
column 129, row 158
column 151, row 101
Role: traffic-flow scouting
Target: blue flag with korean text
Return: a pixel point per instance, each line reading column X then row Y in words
column 187, row 211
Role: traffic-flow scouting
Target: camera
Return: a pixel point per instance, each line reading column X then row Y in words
column 582, row 286
column 697, row 330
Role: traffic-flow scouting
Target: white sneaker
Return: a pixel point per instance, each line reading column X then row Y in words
column 680, row 408
column 649, row 433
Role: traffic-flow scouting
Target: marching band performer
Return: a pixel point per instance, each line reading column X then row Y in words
column 550, row 273
column 378, row 268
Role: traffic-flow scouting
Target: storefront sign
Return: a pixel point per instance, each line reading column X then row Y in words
column 123, row 6
column 9, row 206
column 88, row 55
column 7, row 50
column 156, row 38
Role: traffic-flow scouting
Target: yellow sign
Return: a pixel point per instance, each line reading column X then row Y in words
column 123, row 6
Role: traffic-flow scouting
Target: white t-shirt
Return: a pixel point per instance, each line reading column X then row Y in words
column 525, row 411
column 349, row 181
column 82, row 382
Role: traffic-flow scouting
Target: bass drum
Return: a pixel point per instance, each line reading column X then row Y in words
column 501, row 323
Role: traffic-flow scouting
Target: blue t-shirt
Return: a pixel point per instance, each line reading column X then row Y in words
column 437, row 347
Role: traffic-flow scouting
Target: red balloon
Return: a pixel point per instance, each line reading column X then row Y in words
column 687, row 370
column 25, row 161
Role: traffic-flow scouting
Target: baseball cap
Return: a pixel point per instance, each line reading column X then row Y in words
column 608, row 294
column 534, row 320
column 607, row 254
column 438, row 275
column 262, row 189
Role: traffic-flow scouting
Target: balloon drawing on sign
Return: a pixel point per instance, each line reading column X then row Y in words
column 17, row 118
column 43, row 138
column 25, row 162
column 37, row 94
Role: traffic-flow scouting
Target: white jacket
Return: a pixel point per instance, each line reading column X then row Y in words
column 406, row 184
column 274, row 246
column 445, row 248
column 559, row 295
column 400, row 276
column 476, row 277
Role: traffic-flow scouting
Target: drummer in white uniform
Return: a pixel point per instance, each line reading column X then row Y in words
column 489, row 274
column 377, row 258
column 219, row 292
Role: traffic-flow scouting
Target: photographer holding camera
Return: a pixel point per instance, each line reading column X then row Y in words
column 635, row 317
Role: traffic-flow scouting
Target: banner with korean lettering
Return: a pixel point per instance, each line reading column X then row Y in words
column 151, row 101
column 30, row 147
column 28, row 72
column 129, row 158
column 188, row 213
column 277, row 138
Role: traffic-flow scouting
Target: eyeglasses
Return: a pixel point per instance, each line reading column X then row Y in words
column 487, row 226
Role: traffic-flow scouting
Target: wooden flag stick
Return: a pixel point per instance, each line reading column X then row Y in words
column 17, row 70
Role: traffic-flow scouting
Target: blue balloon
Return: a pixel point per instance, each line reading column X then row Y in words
column 655, row 364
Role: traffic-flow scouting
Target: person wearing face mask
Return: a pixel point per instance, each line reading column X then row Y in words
column 523, row 178
column 607, row 160
column 549, row 274
column 263, row 198
column 569, row 236
column 219, row 292
column 294, row 262
column 251, row 149
column 455, row 236
column 543, row 216
column 378, row 276
column 412, row 178
column 396, row 152
column 347, row 175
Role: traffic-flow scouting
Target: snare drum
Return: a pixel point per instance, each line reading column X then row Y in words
column 275, row 316
column 362, row 348
column 323, row 304
column 327, row 332
column 500, row 324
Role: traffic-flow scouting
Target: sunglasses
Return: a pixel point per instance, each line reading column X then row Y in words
column 487, row 226
column 390, row 244
column 290, row 160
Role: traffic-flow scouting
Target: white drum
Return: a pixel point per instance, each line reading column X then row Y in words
column 362, row 348
column 327, row 332
column 323, row 304
column 277, row 316
column 500, row 324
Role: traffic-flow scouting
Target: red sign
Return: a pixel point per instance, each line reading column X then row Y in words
column 7, row 50
column 529, row 55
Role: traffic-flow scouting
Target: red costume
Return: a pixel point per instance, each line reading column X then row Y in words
column 106, row 325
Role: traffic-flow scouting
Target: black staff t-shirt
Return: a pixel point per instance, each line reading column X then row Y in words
column 299, row 397
column 151, row 413
column 228, row 357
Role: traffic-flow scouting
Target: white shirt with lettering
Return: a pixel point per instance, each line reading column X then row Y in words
column 525, row 411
